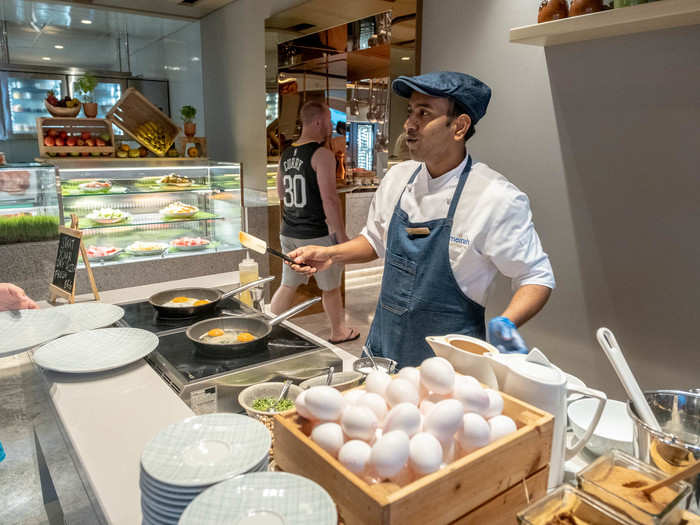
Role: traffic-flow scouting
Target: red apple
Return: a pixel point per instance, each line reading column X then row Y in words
column 100, row 142
column 49, row 141
column 70, row 141
column 80, row 142
column 85, row 135
column 63, row 135
column 90, row 142
column 53, row 132
column 60, row 141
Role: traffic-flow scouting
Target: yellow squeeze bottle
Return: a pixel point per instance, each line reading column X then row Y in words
column 247, row 272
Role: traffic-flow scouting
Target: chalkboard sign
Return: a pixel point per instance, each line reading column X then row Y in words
column 70, row 244
column 66, row 259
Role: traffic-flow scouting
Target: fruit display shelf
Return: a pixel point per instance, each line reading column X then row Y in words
column 147, row 219
column 75, row 137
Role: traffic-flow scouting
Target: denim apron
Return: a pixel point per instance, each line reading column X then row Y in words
column 420, row 295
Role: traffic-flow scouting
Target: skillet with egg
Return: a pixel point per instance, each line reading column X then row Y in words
column 229, row 337
column 189, row 302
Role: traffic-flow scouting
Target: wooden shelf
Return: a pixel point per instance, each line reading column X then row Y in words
column 662, row 14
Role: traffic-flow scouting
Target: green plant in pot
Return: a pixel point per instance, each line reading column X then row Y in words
column 86, row 85
column 188, row 113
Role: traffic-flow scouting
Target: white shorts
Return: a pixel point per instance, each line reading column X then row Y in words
column 327, row 280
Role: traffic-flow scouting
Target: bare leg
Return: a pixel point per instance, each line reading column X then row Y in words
column 283, row 299
column 333, row 305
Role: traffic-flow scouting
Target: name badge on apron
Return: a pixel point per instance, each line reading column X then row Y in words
column 418, row 232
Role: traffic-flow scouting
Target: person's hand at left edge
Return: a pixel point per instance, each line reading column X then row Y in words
column 12, row 297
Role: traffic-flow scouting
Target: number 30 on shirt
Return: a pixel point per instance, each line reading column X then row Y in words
column 294, row 191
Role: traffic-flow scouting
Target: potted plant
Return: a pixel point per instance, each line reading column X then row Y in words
column 188, row 113
column 86, row 86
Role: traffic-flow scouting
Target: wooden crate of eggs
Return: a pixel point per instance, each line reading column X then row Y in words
column 425, row 446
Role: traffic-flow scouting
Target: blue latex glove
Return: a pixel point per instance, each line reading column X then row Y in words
column 504, row 335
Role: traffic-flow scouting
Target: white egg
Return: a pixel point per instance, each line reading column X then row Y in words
column 324, row 403
column 300, row 403
column 500, row 427
column 473, row 398
column 425, row 407
column 424, row 453
column 459, row 378
column 437, row 375
column 412, row 374
column 404, row 417
column 377, row 381
column 444, row 419
column 474, row 432
column 358, row 422
column 495, row 404
column 401, row 391
column 353, row 396
column 376, row 404
column 354, row 455
column 449, row 451
column 390, row 453
column 328, row 436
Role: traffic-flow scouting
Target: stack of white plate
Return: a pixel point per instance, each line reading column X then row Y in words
column 186, row 458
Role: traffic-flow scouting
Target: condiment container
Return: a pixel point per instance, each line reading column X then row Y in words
column 595, row 480
column 584, row 7
column 247, row 272
column 567, row 500
column 552, row 10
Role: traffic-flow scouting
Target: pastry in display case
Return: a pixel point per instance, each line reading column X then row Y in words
column 29, row 209
column 131, row 210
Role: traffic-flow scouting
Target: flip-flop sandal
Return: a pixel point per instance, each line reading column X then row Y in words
column 354, row 334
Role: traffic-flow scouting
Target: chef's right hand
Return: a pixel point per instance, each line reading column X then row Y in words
column 13, row 298
column 316, row 259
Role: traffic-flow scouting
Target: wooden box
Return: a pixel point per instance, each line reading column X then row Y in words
column 484, row 483
column 132, row 111
column 74, row 127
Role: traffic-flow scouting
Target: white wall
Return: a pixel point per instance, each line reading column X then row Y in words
column 233, row 66
column 177, row 58
column 603, row 136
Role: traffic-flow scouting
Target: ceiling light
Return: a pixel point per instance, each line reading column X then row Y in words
column 86, row 21
column 195, row 59
column 46, row 58
column 405, row 58
column 58, row 46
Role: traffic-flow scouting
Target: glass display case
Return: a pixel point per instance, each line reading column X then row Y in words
column 133, row 210
column 29, row 209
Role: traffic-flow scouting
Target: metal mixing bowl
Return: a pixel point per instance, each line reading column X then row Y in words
column 678, row 444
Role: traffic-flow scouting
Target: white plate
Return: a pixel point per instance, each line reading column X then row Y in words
column 206, row 449
column 178, row 215
column 278, row 496
column 109, row 257
column 85, row 187
column 614, row 430
column 147, row 252
column 99, row 220
column 89, row 316
column 190, row 248
column 96, row 350
column 152, row 517
column 23, row 329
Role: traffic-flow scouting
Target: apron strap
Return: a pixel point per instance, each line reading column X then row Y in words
column 460, row 186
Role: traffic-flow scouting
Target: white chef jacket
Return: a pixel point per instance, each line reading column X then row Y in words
column 492, row 229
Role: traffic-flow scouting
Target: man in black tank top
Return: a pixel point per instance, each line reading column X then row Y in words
column 311, row 213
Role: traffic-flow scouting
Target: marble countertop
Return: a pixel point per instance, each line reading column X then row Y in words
column 109, row 417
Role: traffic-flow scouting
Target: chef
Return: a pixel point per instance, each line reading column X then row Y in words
column 445, row 225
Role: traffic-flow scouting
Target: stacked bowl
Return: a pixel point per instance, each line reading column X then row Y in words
column 188, row 457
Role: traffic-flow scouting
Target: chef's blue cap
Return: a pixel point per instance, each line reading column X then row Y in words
column 469, row 93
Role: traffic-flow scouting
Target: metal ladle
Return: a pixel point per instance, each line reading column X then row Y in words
column 370, row 355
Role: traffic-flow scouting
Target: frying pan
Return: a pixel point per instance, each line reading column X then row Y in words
column 214, row 296
column 258, row 327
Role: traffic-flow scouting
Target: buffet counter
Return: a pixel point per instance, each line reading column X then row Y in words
column 109, row 417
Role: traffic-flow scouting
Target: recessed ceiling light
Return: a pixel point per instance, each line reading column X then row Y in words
column 58, row 46
column 46, row 58
column 405, row 58
column 86, row 21
column 195, row 59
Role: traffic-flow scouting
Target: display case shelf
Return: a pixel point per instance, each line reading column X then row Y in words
column 68, row 192
column 662, row 14
column 145, row 219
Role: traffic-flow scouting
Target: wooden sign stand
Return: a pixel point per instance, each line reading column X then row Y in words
column 56, row 291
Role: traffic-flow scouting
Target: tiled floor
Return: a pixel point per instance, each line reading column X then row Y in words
column 360, row 303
